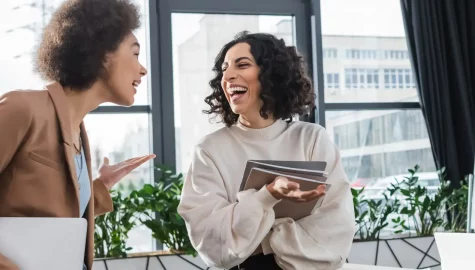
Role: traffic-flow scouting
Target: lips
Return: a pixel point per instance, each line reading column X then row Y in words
column 237, row 92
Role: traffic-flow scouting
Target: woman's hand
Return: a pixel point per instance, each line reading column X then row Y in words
column 111, row 174
column 282, row 188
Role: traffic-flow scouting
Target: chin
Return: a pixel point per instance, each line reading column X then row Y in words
column 129, row 102
column 237, row 109
column 125, row 101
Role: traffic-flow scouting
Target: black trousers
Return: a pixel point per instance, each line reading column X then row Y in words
column 258, row 262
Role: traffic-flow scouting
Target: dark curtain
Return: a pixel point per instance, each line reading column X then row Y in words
column 441, row 40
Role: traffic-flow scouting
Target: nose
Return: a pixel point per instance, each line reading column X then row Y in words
column 143, row 71
column 229, row 74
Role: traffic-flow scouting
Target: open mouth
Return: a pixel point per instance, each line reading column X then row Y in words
column 237, row 92
column 136, row 83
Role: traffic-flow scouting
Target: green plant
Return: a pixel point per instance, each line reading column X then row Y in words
column 417, row 209
column 371, row 216
column 359, row 210
column 112, row 229
column 163, row 199
column 457, row 206
column 424, row 211
column 155, row 206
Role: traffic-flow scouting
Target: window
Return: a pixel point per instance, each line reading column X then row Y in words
column 194, row 52
column 396, row 54
column 361, row 54
column 329, row 53
column 398, row 78
column 120, row 137
column 373, row 45
column 380, row 127
column 361, row 78
column 381, row 143
column 332, row 80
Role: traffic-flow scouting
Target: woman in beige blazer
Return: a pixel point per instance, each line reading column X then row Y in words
column 90, row 55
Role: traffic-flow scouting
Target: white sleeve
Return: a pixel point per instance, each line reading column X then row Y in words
column 224, row 233
column 323, row 239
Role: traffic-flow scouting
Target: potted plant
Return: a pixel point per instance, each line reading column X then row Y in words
column 162, row 199
column 407, row 209
column 112, row 229
column 418, row 214
column 154, row 206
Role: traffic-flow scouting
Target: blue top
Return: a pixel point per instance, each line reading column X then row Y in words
column 83, row 180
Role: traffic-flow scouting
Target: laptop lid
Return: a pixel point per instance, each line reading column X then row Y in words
column 456, row 250
column 44, row 243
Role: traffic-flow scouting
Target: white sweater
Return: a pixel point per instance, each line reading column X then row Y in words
column 226, row 226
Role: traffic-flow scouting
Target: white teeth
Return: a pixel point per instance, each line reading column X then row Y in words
column 235, row 89
column 135, row 84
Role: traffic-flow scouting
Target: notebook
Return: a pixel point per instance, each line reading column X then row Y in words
column 309, row 175
column 44, row 243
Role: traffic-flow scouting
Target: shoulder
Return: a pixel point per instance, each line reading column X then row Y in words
column 210, row 142
column 318, row 139
column 309, row 130
column 24, row 101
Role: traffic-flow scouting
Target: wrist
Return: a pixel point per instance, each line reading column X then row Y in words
column 273, row 192
column 105, row 183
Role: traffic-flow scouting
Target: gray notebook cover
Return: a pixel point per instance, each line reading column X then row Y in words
column 301, row 167
column 286, row 208
column 309, row 175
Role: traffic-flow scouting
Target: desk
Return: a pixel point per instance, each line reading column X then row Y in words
column 349, row 266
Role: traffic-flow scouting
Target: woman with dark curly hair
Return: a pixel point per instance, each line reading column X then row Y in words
column 90, row 55
column 260, row 85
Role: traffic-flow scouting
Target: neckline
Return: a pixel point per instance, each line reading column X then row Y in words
column 267, row 133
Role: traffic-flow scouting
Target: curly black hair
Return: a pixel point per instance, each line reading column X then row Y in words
column 286, row 88
column 78, row 37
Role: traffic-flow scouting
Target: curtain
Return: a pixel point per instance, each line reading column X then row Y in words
column 441, row 40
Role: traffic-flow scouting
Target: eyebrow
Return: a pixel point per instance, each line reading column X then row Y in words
column 238, row 60
column 136, row 44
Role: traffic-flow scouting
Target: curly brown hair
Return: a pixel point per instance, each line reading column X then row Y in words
column 78, row 37
column 286, row 88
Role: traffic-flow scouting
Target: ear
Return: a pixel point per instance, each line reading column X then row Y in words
column 108, row 61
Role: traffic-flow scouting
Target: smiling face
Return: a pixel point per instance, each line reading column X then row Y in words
column 240, row 81
column 124, row 72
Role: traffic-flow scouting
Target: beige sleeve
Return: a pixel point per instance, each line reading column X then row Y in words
column 224, row 233
column 323, row 239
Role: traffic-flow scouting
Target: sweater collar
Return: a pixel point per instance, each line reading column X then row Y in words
column 268, row 133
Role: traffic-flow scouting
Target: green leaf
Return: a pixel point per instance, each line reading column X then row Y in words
column 405, row 192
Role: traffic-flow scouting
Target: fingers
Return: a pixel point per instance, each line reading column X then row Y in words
column 136, row 162
column 307, row 196
column 138, row 158
column 284, row 183
column 314, row 194
column 106, row 160
column 292, row 185
column 290, row 190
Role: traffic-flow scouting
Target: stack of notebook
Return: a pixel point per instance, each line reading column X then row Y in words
column 308, row 174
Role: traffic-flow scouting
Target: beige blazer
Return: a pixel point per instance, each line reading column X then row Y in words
column 37, row 173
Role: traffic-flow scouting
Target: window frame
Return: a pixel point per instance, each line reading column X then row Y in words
column 161, row 53
column 318, row 115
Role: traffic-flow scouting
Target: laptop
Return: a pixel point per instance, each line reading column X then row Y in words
column 456, row 250
column 44, row 243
